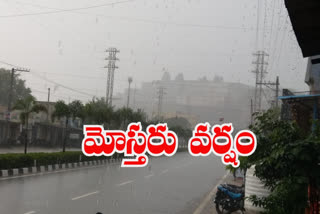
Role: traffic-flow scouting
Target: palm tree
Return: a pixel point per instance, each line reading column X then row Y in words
column 62, row 110
column 28, row 106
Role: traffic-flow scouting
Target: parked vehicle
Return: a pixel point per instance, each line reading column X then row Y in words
column 229, row 198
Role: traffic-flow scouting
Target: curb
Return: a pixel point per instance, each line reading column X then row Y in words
column 54, row 167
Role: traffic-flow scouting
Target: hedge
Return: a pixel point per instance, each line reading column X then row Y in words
column 18, row 160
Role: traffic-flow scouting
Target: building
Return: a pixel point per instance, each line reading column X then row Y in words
column 197, row 100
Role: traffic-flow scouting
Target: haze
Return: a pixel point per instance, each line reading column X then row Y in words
column 195, row 37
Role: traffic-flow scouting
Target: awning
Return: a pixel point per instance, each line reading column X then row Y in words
column 305, row 19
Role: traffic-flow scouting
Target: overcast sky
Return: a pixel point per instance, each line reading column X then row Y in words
column 195, row 37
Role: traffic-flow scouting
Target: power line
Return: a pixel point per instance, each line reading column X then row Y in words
column 281, row 45
column 63, row 86
column 58, row 10
column 65, row 10
column 9, row 64
column 272, row 20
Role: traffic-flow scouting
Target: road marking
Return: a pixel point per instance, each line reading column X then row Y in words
column 124, row 183
column 85, row 195
column 164, row 171
column 209, row 196
column 149, row 176
column 30, row 212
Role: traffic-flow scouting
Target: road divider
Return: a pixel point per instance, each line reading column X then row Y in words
column 16, row 172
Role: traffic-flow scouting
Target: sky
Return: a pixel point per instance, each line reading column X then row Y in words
column 63, row 42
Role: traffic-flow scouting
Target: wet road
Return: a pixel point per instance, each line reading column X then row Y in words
column 166, row 185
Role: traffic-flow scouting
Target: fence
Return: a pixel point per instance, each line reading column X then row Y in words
column 39, row 134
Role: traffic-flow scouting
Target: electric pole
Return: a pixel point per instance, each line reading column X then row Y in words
column 277, row 91
column 112, row 58
column 48, row 105
column 259, row 72
column 271, row 85
column 129, row 81
column 251, row 112
column 134, row 96
column 10, row 94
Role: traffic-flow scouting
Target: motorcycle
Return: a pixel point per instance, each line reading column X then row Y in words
column 229, row 198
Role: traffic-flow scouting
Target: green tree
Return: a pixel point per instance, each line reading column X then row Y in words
column 28, row 106
column 286, row 160
column 19, row 88
column 77, row 110
column 98, row 112
column 123, row 116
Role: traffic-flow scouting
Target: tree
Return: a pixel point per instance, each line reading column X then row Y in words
column 19, row 89
column 286, row 160
column 77, row 110
column 62, row 110
column 178, row 121
column 28, row 106
column 123, row 116
column 98, row 112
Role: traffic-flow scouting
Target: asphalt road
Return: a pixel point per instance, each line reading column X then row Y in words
column 176, row 184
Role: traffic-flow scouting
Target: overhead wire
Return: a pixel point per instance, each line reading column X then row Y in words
column 56, row 10
column 65, row 10
column 48, row 80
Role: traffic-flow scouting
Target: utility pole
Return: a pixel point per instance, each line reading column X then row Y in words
column 134, row 96
column 271, row 85
column 277, row 91
column 48, row 105
column 10, row 94
column 259, row 73
column 161, row 93
column 251, row 112
column 112, row 58
column 129, row 81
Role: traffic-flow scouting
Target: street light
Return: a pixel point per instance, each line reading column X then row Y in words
column 129, row 81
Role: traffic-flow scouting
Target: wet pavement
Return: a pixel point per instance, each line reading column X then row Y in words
column 175, row 184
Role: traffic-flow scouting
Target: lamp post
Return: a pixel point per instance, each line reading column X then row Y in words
column 129, row 81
